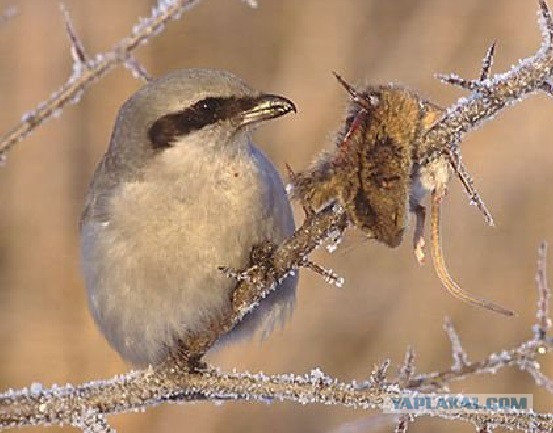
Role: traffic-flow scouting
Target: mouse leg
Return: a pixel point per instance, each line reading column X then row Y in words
column 419, row 242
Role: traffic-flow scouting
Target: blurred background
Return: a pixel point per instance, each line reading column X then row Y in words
column 288, row 47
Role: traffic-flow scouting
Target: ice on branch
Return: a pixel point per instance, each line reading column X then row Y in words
column 87, row 405
column 251, row 3
column 137, row 69
column 524, row 357
column 544, row 296
column 408, row 367
column 175, row 381
column 88, row 70
column 185, row 378
column 460, row 357
column 78, row 52
column 388, row 160
column 489, row 95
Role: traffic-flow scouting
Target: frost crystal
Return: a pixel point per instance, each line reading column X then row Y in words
column 251, row 3
column 36, row 388
column 29, row 117
column 316, row 376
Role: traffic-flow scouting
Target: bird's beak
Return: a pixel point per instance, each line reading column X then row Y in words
column 266, row 107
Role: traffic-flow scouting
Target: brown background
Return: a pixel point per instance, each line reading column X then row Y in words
column 289, row 47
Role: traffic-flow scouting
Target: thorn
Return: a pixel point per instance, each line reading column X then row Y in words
column 353, row 93
column 365, row 101
column 232, row 273
column 488, row 62
column 291, row 173
column 378, row 375
column 137, row 69
column 544, row 294
column 419, row 241
column 408, row 367
column 546, row 25
column 251, row 3
column 328, row 274
column 547, row 87
column 77, row 48
column 460, row 357
column 465, row 178
column 455, row 80
column 484, row 428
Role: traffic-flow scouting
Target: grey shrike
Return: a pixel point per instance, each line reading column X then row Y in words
column 181, row 191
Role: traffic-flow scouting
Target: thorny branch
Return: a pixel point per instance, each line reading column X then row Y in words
column 489, row 96
column 524, row 356
column 86, row 70
column 544, row 322
column 88, row 404
column 273, row 263
column 396, row 147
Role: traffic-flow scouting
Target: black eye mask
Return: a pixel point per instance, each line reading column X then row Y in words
column 165, row 130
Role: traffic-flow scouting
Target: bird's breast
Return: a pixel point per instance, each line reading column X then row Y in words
column 168, row 232
column 209, row 211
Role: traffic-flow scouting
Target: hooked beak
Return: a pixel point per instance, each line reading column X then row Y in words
column 266, row 107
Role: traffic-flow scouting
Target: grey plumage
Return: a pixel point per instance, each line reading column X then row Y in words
column 180, row 191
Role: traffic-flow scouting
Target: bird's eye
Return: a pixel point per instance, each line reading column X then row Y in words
column 208, row 105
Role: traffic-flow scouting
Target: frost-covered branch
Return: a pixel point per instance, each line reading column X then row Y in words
column 544, row 296
column 523, row 357
column 270, row 264
column 396, row 146
column 184, row 379
column 489, row 95
column 89, row 70
column 148, row 388
column 86, row 405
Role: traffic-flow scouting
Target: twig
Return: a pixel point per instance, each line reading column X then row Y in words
column 488, row 97
column 148, row 388
column 460, row 357
column 408, row 367
column 544, row 295
column 513, row 357
column 523, row 356
column 87, row 71
column 78, row 52
column 270, row 265
column 86, row 405
column 405, row 373
column 137, row 69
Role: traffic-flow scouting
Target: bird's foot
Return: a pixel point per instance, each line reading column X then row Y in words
column 262, row 270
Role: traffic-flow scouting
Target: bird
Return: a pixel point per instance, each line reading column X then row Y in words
column 181, row 191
